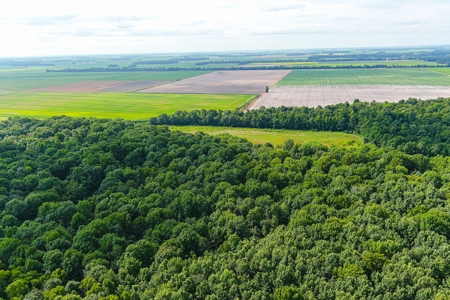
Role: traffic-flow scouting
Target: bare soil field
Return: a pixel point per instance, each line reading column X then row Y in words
column 101, row 86
column 223, row 82
column 314, row 95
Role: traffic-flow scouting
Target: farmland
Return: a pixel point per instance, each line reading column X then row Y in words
column 403, row 63
column 366, row 76
column 111, row 105
column 312, row 96
column 326, row 87
column 276, row 137
column 101, row 86
column 33, row 78
column 224, row 82
column 442, row 70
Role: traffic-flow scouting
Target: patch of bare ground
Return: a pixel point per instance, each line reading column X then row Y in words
column 313, row 96
column 101, row 86
column 223, row 82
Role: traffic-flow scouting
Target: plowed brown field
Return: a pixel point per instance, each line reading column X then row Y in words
column 101, row 86
column 313, row 95
column 223, row 82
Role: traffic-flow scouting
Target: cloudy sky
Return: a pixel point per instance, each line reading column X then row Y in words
column 50, row 27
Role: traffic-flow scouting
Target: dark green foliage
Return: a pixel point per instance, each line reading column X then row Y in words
column 95, row 208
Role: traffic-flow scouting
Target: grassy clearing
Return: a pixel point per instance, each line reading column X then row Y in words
column 366, row 76
column 277, row 137
column 111, row 105
column 24, row 79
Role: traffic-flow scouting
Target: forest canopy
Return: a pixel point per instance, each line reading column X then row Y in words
column 114, row 209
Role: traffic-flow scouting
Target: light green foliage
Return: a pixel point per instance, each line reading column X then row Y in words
column 111, row 105
column 277, row 137
column 365, row 76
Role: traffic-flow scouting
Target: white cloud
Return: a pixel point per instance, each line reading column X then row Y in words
column 49, row 27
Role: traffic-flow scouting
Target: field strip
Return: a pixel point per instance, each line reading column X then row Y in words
column 132, row 106
column 420, row 77
column 224, row 82
column 101, row 86
column 277, row 136
column 445, row 71
column 313, row 96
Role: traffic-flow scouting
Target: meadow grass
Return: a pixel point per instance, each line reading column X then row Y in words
column 365, row 76
column 22, row 79
column 111, row 105
column 277, row 137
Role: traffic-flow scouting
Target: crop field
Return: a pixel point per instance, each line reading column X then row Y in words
column 366, row 76
column 130, row 106
column 441, row 70
column 326, row 87
column 25, row 79
column 277, row 137
column 406, row 63
column 223, row 82
column 312, row 96
column 101, row 86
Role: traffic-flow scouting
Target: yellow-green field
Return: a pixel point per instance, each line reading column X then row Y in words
column 277, row 137
column 111, row 105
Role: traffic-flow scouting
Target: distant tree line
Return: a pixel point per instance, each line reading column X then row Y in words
column 275, row 67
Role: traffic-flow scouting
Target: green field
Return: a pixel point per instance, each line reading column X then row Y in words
column 22, row 79
column 366, row 76
column 405, row 63
column 277, row 137
column 442, row 70
column 111, row 105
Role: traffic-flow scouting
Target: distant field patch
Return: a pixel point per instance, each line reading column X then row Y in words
column 421, row 77
column 313, row 95
column 441, row 70
column 130, row 106
column 277, row 137
column 224, row 82
column 26, row 79
column 403, row 63
column 100, row 86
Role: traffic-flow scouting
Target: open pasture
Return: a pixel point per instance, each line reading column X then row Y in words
column 366, row 76
column 23, row 79
column 312, row 96
column 224, row 82
column 130, row 106
column 275, row 136
column 101, row 86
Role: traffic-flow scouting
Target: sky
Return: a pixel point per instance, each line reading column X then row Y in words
column 50, row 27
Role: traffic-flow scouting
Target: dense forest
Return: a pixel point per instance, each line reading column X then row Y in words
column 114, row 209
